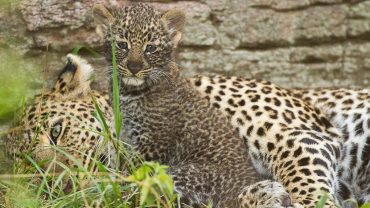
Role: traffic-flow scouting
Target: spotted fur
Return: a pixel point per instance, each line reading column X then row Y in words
column 70, row 105
column 165, row 120
column 349, row 111
column 63, row 117
column 288, row 139
column 290, row 136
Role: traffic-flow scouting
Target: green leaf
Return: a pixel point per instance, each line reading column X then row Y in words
column 142, row 172
column 150, row 200
column 143, row 195
column 367, row 205
column 167, row 182
column 77, row 49
column 321, row 202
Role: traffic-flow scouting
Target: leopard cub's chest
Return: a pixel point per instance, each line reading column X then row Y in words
column 147, row 127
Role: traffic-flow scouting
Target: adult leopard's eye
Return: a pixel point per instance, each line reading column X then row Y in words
column 150, row 48
column 122, row 45
column 55, row 132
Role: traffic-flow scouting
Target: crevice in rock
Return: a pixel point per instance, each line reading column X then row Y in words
column 304, row 7
column 361, row 37
column 327, row 41
column 311, row 60
column 194, row 47
column 216, row 22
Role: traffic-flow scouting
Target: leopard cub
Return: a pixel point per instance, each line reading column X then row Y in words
column 164, row 118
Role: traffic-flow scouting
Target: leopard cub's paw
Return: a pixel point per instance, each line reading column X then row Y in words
column 266, row 194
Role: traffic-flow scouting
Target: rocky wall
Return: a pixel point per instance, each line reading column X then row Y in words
column 293, row 43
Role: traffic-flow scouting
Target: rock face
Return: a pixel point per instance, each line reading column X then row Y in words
column 293, row 43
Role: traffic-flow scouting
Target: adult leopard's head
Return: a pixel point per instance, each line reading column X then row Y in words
column 60, row 123
column 144, row 40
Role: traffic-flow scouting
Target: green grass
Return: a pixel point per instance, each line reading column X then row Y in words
column 147, row 186
column 19, row 79
column 7, row 4
column 324, row 198
column 16, row 77
column 367, row 205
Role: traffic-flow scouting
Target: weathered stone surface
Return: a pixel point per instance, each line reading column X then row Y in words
column 198, row 30
column 266, row 28
column 258, row 27
column 41, row 14
column 357, row 63
column 289, row 4
column 318, row 24
column 359, row 19
column 292, row 43
column 317, row 54
column 60, row 25
column 279, row 4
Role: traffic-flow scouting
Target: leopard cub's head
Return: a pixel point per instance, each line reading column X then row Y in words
column 144, row 39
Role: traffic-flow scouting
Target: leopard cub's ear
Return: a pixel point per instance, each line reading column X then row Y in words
column 174, row 21
column 75, row 78
column 104, row 18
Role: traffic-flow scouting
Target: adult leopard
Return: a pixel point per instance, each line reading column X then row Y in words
column 289, row 140
column 349, row 111
column 68, row 94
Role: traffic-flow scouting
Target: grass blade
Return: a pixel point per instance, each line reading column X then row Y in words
column 115, row 85
column 77, row 49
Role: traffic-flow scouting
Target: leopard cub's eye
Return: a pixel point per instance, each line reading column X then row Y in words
column 122, row 45
column 150, row 48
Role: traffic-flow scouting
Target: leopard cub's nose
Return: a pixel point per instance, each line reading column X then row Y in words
column 134, row 66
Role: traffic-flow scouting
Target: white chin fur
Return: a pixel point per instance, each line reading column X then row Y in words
column 132, row 81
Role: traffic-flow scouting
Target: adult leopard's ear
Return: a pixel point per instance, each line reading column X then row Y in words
column 104, row 18
column 174, row 21
column 75, row 78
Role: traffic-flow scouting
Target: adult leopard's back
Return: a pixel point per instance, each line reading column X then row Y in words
column 349, row 111
column 288, row 139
